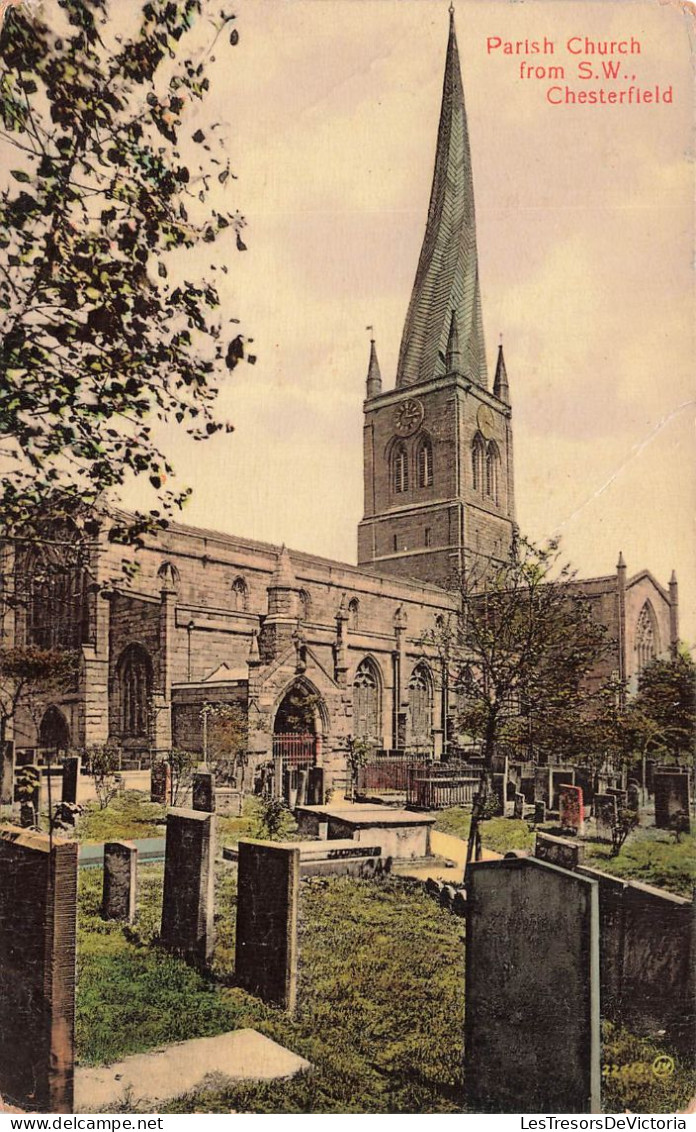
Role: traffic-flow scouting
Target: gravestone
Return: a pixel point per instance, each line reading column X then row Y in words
column 571, row 808
column 302, row 782
column 542, row 785
column 38, row 924
column 620, row 795
column 539, row 813
column 27, row 791
column 71, row 778
column 204, row 791
column 605, row 809
column 188, row 898
column 559, row 851
column 519, row 806
column 7, row 772
column 266, row 951
column 633, row 796
column 671, row 798
column 315, row 786
column 120, row 881
column 532, row 1039
column 560, row 776
column 160, row 782
column 650, row 765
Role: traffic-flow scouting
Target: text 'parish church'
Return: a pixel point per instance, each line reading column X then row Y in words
column 311, row 650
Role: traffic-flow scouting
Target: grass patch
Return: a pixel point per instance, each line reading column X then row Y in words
column 128, row 816
column 497, row 834
column 651, row 856
column 628, row 1081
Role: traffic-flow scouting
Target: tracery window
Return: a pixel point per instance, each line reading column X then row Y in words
column 367, row 723
column 492, row 471
column 478, row 457
column 134, row 674
column 646, row 645
column 420, row 702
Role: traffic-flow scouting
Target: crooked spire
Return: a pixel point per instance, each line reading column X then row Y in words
column 447, row 276
column 501, row 387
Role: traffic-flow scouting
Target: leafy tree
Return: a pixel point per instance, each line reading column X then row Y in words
column 523, row 638
column 103, row 766
column 359, row 754
column 663, row 713
column 104, row 335
column 30, row 677
column 226, row 730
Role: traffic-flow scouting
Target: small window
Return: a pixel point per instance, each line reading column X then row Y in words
column 492, row 471
column 305, row 605
column 240, row 595
column 396, row 542
column 477, row 461
column 427, row 536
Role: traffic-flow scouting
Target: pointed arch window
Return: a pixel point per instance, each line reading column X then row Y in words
column 305, row 605
column 646, row 637
column 134, row 675
column 478, row 459
column 420, row 704
column 367, row 721
column 400, row 469
column 424, row 463
column 240, row 595
column 55, row 590
column 354, row 612
column 493, row 471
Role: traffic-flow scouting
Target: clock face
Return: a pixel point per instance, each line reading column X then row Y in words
column 486, row 422
column 408, row 417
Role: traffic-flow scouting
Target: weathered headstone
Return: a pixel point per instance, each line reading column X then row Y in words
column 532, row 989
column 539, row 813
column 71, row 778
column 7, row 772
column 160, row 782
column 267, row 903
column 302, row 778
column 542, row 785
column 188, row 898
column 519, row 806
column 27, row 791
column 571, row 808
column 633, row 796
column 315, row 786
column 620, row 795
column 605, row 810
column 120, row 881
column 559, row 851
column 204, row 791
column 671, row 798
column 38, row 923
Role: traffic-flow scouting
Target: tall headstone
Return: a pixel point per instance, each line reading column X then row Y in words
column 532, row 1038
column 188, row 898
column 120, row 881
column 160, row 782
column 204, row 791
column 571, row 809
column 539, row 813
column 7, row 772
column 71, row 778
column 519, row 806
column 671, row 798
column 38, row 926
column 605, row 814
column 27, row 792
column 633, row 796
column 315, row 786
column 267, row 904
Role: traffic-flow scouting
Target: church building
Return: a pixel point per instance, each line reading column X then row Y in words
column 312, row 651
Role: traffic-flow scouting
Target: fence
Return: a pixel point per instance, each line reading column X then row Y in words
column 296, row 749
column 426, row 784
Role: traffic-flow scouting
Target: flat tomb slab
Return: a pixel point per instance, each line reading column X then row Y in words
column 317, row 850
column 161, row 1075
column 362, row 817
column 401, row 834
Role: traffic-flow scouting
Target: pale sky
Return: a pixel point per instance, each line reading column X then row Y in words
column 585, row 238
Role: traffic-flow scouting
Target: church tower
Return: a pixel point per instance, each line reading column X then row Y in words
column 437, row 448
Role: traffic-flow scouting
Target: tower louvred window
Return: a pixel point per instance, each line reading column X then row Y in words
column 400, row 469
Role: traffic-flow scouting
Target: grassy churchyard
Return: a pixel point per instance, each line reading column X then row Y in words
column 381, row 995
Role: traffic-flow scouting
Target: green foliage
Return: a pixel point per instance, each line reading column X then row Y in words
column 663, row 713
column 29, row 674
column 227, row 736
column 104, row 763
column 497, row 834
column 626, row 821
column 524, row 641
column 652, row 857
column 128, row 816
column 103, row 330
column 275, row 820
column 181, row 764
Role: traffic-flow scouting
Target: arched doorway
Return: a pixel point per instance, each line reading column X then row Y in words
column 54, row 733
column 298, row 728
